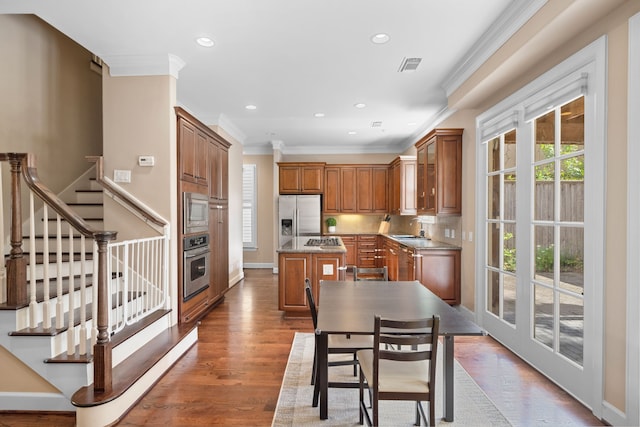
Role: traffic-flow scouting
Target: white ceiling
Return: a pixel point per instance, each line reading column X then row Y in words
column 294, row 58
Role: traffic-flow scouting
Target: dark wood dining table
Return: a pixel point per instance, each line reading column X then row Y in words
column 349, row 308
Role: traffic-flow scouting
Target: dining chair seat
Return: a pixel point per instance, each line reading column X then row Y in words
column 394, row 376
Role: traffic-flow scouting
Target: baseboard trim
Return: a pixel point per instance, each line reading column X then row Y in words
column 256, row 265
column 612, row 415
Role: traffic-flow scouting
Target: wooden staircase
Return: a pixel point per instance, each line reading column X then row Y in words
column 59, row 326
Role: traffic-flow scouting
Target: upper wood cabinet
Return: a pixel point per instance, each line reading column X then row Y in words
column 402, row 185
column 192, row 153
column 439, row 173
column 301, row 178
column 218, row 172
column 355, row 189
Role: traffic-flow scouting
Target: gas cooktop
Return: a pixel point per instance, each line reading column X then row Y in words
column 324, row 241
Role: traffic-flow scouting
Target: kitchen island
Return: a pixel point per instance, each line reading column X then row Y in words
column 313, row 257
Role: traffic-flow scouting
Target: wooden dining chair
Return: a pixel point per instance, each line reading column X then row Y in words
column 337, row 344
column 392, row 374
column 370, row 273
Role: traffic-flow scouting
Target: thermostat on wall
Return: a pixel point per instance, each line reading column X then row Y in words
column 146, row 160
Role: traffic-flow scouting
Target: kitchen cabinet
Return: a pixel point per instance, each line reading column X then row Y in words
column 406, row 263
column 218, row 171
column 193, row 153
column 219, row 245
column 439, row 271
column 351, row 243
column 331, row 198
column 439, row 173
column 203, row 168
column 294, row 268
column 301, row 178
column 402, row 185
column 355, row 189
column 367, row 250
column 391, row 250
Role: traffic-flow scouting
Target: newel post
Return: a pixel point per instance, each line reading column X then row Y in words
column 17, row 263
column 102, row 365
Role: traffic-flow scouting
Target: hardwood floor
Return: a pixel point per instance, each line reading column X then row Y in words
column 232, row 376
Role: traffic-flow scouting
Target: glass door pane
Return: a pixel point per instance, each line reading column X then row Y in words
column 557, row 250
column 501, row 231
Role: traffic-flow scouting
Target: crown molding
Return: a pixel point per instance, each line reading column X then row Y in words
column 509, row 22
column 144, row 65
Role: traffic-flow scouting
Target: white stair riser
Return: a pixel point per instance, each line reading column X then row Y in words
column 64, row 225
column 86, row 197
column 65, row 270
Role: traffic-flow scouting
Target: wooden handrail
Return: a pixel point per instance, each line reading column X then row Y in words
column 145, row 213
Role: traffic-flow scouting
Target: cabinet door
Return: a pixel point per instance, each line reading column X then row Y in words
column 312, row 178
column 421, row 183
column 348, row 189
column 292, row 270
column 364, row 196
column 391, row 254
column 187, row 154
column 449, row 170
column 394, row 183
column 351, row 244
column 289, row 180
column 379, row 193
column 223, row 174
column 407, row 189
column 440, row 273
column 430, row 178
column 202, row 158
column 367, row 250
column 219, row 240
column 214, row 171
column 331, row 199
column 325, row 267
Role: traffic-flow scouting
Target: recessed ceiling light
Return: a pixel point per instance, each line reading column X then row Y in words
column 318, row 115
column 250, row 107
column 380, row 38
column 352, row 132
column 359, row 105
column 205, row 41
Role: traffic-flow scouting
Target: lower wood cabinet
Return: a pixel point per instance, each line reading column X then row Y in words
column 439, row 271
column 293, row 268
column 367, row 250
column 351, row 243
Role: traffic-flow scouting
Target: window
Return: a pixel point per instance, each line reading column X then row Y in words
column 249, row 207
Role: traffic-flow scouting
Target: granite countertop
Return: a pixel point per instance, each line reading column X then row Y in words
column 299, row 245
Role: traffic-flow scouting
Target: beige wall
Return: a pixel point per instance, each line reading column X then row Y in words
column 263, row 256
column 50, row 103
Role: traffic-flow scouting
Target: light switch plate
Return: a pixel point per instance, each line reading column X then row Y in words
column 121, row 175
column 327, row 270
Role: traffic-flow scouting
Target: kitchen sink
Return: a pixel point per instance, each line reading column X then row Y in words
column 405, row 236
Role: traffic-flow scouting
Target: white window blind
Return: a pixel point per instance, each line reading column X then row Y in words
column 249, row 208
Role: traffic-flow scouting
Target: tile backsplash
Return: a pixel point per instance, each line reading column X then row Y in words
column 443, row 229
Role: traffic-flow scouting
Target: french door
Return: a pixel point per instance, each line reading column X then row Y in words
column 540, row 198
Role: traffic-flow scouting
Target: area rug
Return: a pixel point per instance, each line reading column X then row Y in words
column 471, row 406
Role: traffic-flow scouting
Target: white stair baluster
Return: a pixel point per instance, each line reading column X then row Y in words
column 46, row 304
column 94, row 298
column 60, row 302
column 71, row 336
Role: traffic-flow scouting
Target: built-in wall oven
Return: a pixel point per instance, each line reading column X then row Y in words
column 195, row 266
column 195, row 213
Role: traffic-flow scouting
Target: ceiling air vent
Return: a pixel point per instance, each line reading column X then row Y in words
column 376, row 124
column 409, row 64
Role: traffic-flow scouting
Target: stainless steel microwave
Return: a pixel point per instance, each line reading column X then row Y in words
column 196, row 213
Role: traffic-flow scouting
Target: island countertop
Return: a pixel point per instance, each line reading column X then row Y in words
column 299, row 245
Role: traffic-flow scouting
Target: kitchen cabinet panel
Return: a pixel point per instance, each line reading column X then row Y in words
column 331, row 198
column 301, row 178
column 439, row 271
column 439, row 172
column 218, row 243
column 294, row 268
column 348, row 190
column 367, row 245
column 351, row 243
column 402, row 186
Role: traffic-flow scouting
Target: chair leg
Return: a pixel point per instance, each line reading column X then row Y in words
column 361, row 400
column 316, row 394
column 355, row 364
column 314, row 369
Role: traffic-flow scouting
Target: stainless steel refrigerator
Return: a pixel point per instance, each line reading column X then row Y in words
column 298, row 216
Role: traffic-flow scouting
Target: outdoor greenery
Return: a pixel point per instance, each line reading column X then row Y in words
column 572, row 168
column 544, row 259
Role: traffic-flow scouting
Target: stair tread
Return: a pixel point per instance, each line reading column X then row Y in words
column 39, row 330
column 116, row 339
column 134, row 367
